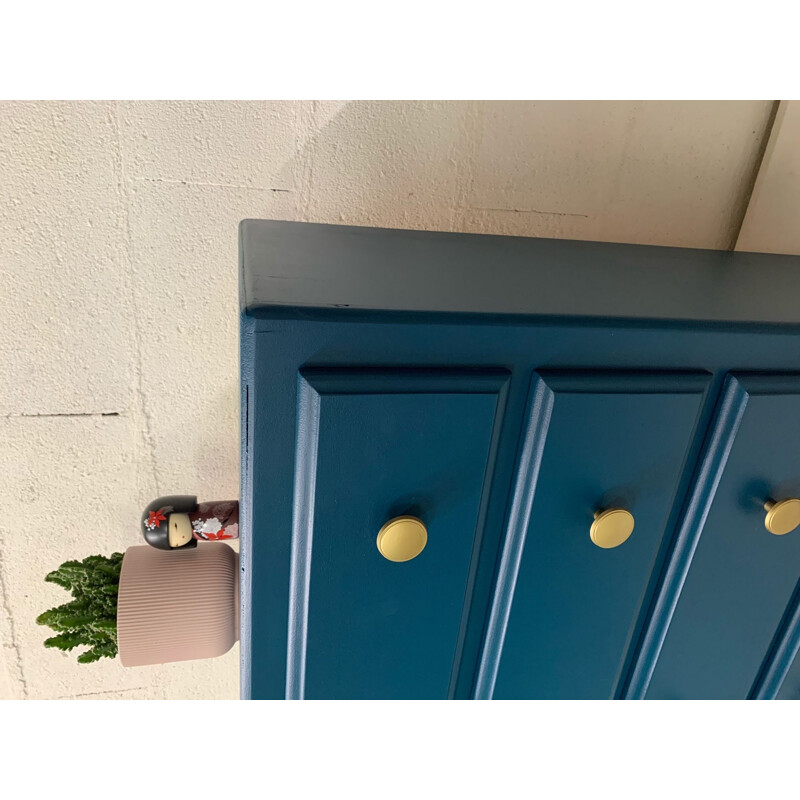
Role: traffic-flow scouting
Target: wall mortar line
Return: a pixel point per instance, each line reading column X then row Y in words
column 305, row 157
column 186, row 182
column 56, row 414
column 107, row 691
column 465, row 167
column 122, row 188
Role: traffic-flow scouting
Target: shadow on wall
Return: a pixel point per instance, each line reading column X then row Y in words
column 653, row 172
column 387, row 164
column 214, row 467
column 468, row 166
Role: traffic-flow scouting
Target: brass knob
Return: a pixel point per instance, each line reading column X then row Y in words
column 402, row 538
column 611, row 527
column 783, row 516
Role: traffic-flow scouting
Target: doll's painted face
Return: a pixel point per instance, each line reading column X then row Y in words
column 180, row 530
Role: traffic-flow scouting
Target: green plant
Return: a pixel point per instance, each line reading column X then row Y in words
column 91, row 618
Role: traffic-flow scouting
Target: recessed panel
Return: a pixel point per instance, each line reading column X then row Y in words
column 742, row 577
column 388, row 445
column 614, row 441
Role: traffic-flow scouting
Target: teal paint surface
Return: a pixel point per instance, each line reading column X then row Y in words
column 382, row 455
column 743, row 577
column 622, row 444
column 731, row 614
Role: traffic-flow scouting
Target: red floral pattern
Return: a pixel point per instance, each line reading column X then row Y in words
column 217, row 536
column 156, row 518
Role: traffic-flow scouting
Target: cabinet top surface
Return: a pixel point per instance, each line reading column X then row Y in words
column 300, row 265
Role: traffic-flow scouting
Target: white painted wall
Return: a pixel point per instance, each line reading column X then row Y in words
column 772, row 222
column 118, row 251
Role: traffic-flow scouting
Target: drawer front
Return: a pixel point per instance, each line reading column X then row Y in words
column 373, row 445
column 742, row 577
column 790, row 687
column 605, row 440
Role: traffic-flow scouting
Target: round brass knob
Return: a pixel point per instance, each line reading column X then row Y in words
column 611, row 527
column 783, row 516
column 402, row 538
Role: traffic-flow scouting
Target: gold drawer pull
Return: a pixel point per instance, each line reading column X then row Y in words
column 402, row 538
column 611, row 527
column 783, row 516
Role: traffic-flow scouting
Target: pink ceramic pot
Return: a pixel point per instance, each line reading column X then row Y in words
column 177, row 605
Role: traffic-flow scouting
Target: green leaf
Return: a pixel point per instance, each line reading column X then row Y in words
column 90, row 618
column 97, row 652
column 88, row 657
column 61, row 580
column 67, row 575
column 107, row 626
column 65, row 641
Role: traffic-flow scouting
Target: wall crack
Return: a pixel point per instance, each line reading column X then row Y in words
column 14, row 644
column 533, row 211
column 180, row 182
column 107, row 691
column 49, row 415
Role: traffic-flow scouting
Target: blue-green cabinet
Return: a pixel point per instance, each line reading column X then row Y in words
column 742, row 577
column 613, row 440
column 375, row 445
column 443, row 376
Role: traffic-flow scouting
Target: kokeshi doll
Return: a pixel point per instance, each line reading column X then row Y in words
column 177, row 521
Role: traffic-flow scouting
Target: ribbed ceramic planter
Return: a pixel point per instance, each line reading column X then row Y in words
column 177, row 606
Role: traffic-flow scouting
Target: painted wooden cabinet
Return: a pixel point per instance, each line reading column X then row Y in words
column 504, row 391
